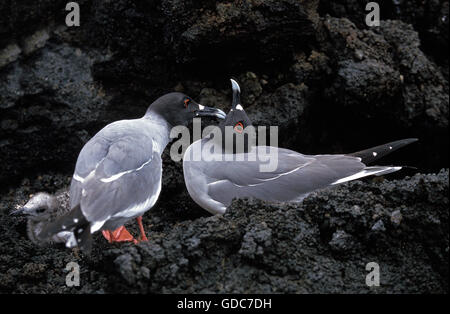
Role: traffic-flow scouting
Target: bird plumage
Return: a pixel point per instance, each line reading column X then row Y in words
column 213, row 182
column 41, row 209
column 118, row 172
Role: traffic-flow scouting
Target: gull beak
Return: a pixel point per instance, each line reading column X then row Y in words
column 235, row 86
column 204, row 111
column 19, row 210
column 27, row 209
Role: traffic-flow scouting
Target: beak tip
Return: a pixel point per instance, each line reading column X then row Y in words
column 235, row 86
column 221, row 114
column 211, row 112
column 17, row 211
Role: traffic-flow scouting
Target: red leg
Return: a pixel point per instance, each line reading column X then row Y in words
column 107, row 235
column 141, row 228
column 121, row 234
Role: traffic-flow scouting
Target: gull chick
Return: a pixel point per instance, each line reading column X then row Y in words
column 41, row 209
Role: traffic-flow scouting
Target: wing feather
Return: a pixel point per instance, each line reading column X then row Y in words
column 294, row 176
column 115, row 174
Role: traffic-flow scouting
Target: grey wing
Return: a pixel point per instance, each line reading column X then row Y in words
column 93, row 152
column 295, row 176
column 121, row 178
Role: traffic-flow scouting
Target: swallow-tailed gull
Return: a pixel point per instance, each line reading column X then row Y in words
column 214, row 177
column 118, row 172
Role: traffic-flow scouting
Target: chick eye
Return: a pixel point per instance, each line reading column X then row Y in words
column 186, row 102
column 40, row 210
column 239, row 127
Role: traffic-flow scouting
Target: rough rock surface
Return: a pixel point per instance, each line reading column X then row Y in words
column 313, row 68
column 319, row 246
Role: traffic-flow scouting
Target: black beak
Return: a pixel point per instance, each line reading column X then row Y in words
column 204, row 111
column 19, row 210
column 24, row 210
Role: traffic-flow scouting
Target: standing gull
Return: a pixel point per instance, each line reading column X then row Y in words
column 214, row 177
column 118, row 172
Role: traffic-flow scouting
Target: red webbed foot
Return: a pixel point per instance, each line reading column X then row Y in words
column 121, row 234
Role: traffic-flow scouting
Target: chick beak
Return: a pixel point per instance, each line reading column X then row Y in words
column 18, row 211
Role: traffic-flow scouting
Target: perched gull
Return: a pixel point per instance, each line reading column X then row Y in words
column 118, row 172
column 214, row 177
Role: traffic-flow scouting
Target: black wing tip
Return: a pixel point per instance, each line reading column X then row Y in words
column 49, row 230
column 410, row 140
column 67, row 222
column 372, row 154
column 84, row 239
column 402, row 142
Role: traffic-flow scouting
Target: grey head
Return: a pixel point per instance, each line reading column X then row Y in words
column 41, row 204
column 41, row 209
column 179, row 109
column 243, row 135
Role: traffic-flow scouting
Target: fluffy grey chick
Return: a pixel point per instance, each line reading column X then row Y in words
column 41, row 209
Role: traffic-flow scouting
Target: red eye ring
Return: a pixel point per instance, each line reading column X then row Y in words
column 186, row 102
column 239, row 127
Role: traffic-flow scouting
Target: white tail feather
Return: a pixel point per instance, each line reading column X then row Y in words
column 368, row 171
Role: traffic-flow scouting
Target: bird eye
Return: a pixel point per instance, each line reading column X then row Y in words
column 186, row 102
column 40, row 210
column 239, row 127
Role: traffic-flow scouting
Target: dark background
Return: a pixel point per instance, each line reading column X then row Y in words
column 331, row 84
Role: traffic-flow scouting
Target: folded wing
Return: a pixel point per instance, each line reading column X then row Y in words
column 295, row 175
column 115, row 176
